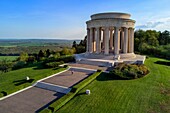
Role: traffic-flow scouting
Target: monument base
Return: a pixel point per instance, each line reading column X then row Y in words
column 109, row 60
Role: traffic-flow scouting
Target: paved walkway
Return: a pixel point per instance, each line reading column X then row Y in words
column 68, row 79
column 28, row 101
column 90, row 66
column 34, row 99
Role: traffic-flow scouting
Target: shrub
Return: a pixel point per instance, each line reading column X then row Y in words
column 65, row 66
column 3, row 93
column 99, row 70
column 45, row 111
column 128, row 71
column 18, row 65
column 62, row 101
column 53, row 64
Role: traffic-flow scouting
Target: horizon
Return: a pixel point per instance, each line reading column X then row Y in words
column 41, row 19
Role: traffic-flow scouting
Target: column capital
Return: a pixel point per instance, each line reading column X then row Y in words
column 131, row 28
column 106, row 28
column 119, row 28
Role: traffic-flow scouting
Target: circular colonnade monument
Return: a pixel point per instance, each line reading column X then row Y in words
column 110, row 38
column 110, row 33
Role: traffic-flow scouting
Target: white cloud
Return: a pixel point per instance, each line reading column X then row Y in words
column 159, row 24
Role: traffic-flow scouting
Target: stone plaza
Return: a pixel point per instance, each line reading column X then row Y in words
column 110, row 40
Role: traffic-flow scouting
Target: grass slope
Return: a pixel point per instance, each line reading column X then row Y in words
column 7, row 83
column 148, row 94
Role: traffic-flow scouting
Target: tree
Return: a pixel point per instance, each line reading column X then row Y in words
column 5, row 65
column 47, row 53
column 74, row 44
column 164, row 38
column 65, row 51
column 23, row 56
column 41, row 54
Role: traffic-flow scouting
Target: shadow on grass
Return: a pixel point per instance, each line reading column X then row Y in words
column 162, row 62
column 4, row 93
column 106, row 77
column 23, row 81
column 83, row 93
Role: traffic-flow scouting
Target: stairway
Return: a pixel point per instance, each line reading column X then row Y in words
column 52, row 87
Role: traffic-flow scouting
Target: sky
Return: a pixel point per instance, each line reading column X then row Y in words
column 65, row 19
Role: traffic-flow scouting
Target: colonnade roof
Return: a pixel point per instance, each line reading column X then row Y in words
column 110, row 15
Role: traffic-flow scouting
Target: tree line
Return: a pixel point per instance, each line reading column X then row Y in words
column 152, row 42
column 47, row 59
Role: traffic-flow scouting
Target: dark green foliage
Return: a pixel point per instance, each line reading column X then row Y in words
column 151, row 42
column 74, row 44
column 5, row 65
column 31, row 59
column 45, row 111
column 3, row 93
column 65, row 59
column 61, row 102
column 81, row 47
column 65, row 66
column 53, row 64
column 41, row 54
column 128, row 71
column 99, row 70
column 164, row 38
column 18, row 65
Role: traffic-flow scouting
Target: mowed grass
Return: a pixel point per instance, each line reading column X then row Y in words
column 10, row 58
column 150, row 94
column 9, row 80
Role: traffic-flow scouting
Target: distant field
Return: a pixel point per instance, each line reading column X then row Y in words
column 11, row 58
column 15, row 46
column 34, row 42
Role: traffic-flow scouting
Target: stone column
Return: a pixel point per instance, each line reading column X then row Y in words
column 98, row 42
column 88, row 39
column 116, row 40
column 103, row 39
column 111, row 38
column 131, row 41
column 122, row 38
column 94, row 40
column 91, row 41
column 106, row 35
column 125, row 47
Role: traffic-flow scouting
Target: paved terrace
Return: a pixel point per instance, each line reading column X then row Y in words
column 93, row 67
column 34, row 98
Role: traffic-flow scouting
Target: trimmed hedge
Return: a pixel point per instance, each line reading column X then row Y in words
column 61, row 102
column 45, row 111
column 85, row 82
column 66, row 98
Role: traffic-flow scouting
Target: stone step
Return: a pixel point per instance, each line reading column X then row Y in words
column 96, row 62
column 52, row 87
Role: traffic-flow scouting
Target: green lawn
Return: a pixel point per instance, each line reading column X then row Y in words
column 9, row 80
column 11, row 58
column 148, row 94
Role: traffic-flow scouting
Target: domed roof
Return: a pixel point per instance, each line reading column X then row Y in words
column 110, row 15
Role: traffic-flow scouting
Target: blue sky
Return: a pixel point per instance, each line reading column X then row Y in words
column 65, row 19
